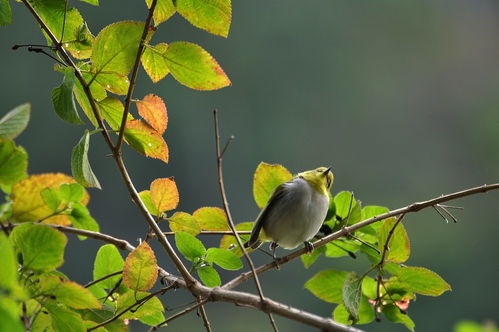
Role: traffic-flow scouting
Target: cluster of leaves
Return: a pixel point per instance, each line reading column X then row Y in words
column 103, row 63
column 386, row 244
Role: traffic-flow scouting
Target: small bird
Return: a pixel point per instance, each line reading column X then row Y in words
column 294, row 212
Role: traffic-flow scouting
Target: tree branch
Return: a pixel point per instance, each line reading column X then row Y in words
column 221, row 186
column 414, row 207
column 133, row 78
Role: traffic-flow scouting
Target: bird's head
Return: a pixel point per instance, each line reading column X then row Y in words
column 321, row 178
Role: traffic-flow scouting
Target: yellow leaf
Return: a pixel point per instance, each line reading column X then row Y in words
column 164, row 194
column 27, row 203
column 141, row 268
column 153, row 110
column 146, row 140
column 211, row 219
column 184, row 222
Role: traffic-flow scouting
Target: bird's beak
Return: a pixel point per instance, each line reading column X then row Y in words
column 327, row 171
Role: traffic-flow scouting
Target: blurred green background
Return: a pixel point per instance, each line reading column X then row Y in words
column 400, row 97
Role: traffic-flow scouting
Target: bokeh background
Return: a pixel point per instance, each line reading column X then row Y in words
column 400, row 97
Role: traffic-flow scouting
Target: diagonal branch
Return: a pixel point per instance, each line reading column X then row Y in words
column 116, row 154
column 133, row 78
column 414, row 207
column 219, row 154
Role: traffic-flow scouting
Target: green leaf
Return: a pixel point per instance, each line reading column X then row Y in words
column 68, row 293
column 327, row 285
column 153, row 319
column 92, row 2
column 189, row 246
column 352, row 293
column 369, row 287
column 63, row 99
column 213, row 16
column 13, row 163
column 41, row 247
column 399, row 246
column 145, row 196
column 224, row 258
column 366, row 313
column 209, row 276
column 64, row 319
column 371, row 211
column 5, row 13
column 71, row 192
column 15, row 121
column 163, row 11
column 154, row 62
column 230, row 242
column 80, row 166
column 116, row 47
column 113, row 82
column 99, row 316
column 470, row 326
column 394, row 314
column 112, row 110
column 108, row 260
column 147, row 308
column 423, row 281
column 195, row 68
column 8, row 272
column 9, row 322
column 52, row 198
column 146, row 140
column 344, row 202
column 81, row 47
column 211, row 219
column 311, row 258
column 81, row 219
column 340, row 248
column 141, row 268
column 184, row 222
column 267, row 177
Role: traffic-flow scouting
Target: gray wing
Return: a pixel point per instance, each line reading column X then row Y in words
column 275, row 198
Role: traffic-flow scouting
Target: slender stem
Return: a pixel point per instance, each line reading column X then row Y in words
column 133, row 78
column 214, row 233
column 101, row 279
column 414, row 207
column 203, row 314
column 229, row 215
column 178, row 314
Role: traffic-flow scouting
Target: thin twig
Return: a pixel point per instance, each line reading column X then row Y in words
column 178, row 314
column 212, row 233
column 101, row 279
column 133, row 78
column 367, row 244
column 444, row 208
column 440, row 213
column 203, row 314
column 414, row 207
column 229, row 216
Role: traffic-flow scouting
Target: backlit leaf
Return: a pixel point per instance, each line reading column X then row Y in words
column 163, row 11
column 27, row 203
column 154, row 62
column 69, row 293
column 399, row 246
column 267, row 177
column 141, row 268
column 108, row 260
column 146, row 140
column 64, row 319
column 80, row 166
column 327, row 285
column 189, row 246
column 145, row 196
column 310, row 259
column 13, row 163
column 112, row 110
column 5, row 13
column 352, row 293
column 41, row 247
column 113, row 82
column 209, row 276
column 80, row 218
column 153, row 110
column 15, row 121
column 423, row 281
column 195, row 68
column 213, row 16
column 147, row 308
column 164, row 194
column 366, row 313
column 230, row 242
column 184, row 222
column 211, row 219
column 116, row 46
column 224, row 258
column 394, row 314
column 8, row 272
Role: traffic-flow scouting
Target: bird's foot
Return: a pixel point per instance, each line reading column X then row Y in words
column 273, row 246
column 309, row 247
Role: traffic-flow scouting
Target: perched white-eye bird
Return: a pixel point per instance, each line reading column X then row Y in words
column 294, row 212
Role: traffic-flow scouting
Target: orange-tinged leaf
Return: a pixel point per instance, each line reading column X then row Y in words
column 211, row 219
column 164, row 194
column 267, row 177
column 27, row 203
column 184, row 222
column 154, row 62
column 141, row 268
column 146, row 140
column 153, row 110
